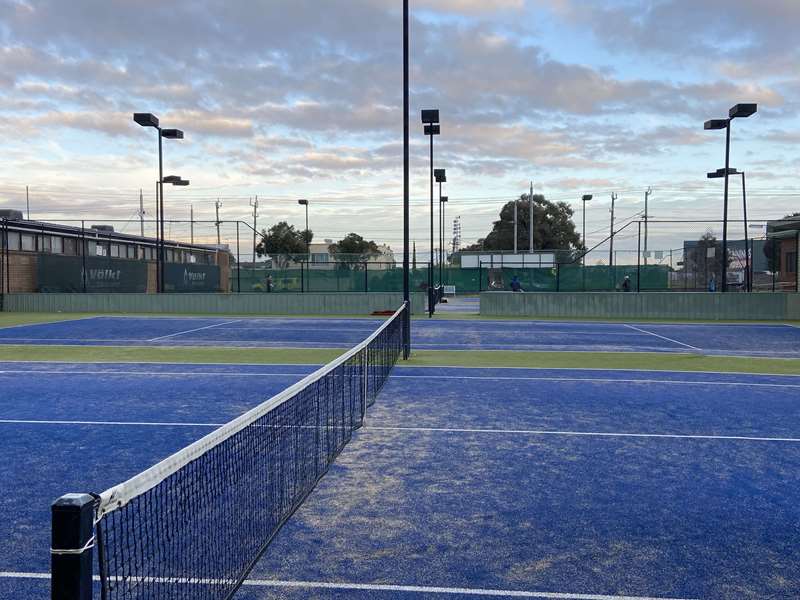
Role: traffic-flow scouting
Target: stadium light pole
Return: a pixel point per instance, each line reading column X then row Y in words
column 430, row 120
column 585, row 198
column 740, row 111
column 175, row 180
column 406, row 194
column 150, row 120
column 441, row 177
column 304, row 202
column 442, row 249
column 718, row 174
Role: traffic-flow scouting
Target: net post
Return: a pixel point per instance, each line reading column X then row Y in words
column 71, row 547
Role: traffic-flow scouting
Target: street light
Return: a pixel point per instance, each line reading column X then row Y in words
column 430, row 119
column 150, row 120
column 441, row 177
column 740, row 111
column 718, row 174
column 304, row 202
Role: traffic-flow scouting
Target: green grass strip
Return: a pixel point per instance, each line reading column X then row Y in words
column 605, row 360
column 142, row 354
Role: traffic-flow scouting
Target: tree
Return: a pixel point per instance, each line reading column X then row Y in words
column 772, row 250
column 553, row 227
column 698, row 261
column 353, row 247
column 284, row 243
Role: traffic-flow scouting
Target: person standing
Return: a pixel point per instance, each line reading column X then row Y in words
column 626, row 284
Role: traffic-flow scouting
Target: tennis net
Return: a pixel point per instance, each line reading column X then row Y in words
column 195, row 524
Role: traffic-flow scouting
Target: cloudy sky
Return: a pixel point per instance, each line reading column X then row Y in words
column 303, row 98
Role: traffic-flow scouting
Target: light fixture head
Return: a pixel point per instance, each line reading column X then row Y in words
column 172, row 134
column 444, row 199
column 742, row 111
column 173, row 179
column 586, row 197
column 432, row 130
column 440, row 175
column 303, row 202
column 715, row 124
column 430, row 116
column 146, row 119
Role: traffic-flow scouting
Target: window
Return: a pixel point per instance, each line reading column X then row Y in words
column 43, row 243
column 791, row 262
column 100, row 249
column 115, row 250
column 322, row 257
column 132, row 251
column 70, row 246
column 57, row 245
column 28, row 242
column 13, row 240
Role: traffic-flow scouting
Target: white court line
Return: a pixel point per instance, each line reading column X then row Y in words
column 598, row 380
column 163, row 337
column 663, row 337
column 611, row 380
column 677, row 436
column 109, row 423
column 379, row 587
column 153, row 373
column 532, row 432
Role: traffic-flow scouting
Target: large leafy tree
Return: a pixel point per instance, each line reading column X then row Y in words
column 552, row 222
column 353, row 248
column 283, row 243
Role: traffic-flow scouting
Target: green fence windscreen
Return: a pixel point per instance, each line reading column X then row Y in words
column 96, row 274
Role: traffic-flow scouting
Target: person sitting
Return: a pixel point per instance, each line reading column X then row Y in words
column 516, row 286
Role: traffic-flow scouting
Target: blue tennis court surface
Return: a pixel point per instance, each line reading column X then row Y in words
column 776, row 340
column 570, row 484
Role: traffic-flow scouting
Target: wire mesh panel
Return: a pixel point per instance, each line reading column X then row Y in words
column 194, row 525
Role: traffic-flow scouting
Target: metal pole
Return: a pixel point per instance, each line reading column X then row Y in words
column 515, row 226
column 530, row 220
column 725, row 210
column 83, row 254
column 217, row 205
column 444, row 249
column 141, row 212
column 191, row 224
column 161, row 212
column 440, row 233
column 27, row 203
column 308, row 241
column 797, row 264
column 406, row 271
column 639, row 260
column 238, row 262
column 430, row 263
column 646, row 219
column 748, row 284
column 583, row 258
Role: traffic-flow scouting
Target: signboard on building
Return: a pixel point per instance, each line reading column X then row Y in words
column 187, row 277
column 90, row 274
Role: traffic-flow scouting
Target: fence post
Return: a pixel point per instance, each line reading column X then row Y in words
column 639, row 261
column 775, row 267
column 558, row 275
column 797, row 262
column 366, row 277
column 83, row 254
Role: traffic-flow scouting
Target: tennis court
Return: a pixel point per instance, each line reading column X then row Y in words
column 571, row 484
column 778, row 340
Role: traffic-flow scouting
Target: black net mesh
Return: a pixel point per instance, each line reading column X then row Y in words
column 196, row 530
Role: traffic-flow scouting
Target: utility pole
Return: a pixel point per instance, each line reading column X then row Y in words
column 515, row 225
column 646, row 198
column 141, row 212
column 611, row 247
column 217, row 204
column 191, row 223
column 254, row 204
column 28, row 202
column 530, row 220
column 414, row 255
